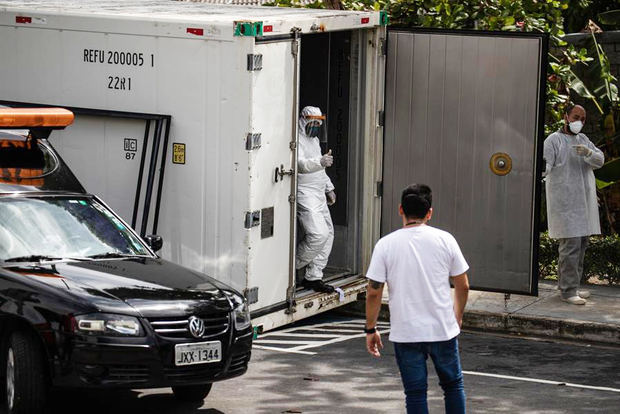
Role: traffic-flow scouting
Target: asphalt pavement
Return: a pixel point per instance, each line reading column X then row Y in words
column 321, row 366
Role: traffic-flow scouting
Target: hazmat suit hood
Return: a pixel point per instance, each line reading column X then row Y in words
column 309, row 113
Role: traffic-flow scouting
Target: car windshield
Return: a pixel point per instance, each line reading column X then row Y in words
column 32, row 229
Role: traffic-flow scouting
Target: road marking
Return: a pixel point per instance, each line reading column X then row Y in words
column 292, row 351
column 297, row 334
column 350, row 331
column 542, row 381
column 313, row 336
column 333, row 341
column 285, row 342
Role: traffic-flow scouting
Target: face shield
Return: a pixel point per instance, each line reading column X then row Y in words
column 314, row 127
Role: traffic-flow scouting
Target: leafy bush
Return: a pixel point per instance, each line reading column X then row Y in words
column 602, row 259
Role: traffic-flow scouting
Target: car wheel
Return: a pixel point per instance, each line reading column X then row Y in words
column 192, row 393
column 25, row 382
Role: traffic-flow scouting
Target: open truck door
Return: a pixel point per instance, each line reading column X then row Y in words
column 464, row 114
column 272, row 162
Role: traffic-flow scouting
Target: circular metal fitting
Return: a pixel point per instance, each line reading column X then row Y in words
column 501, row 163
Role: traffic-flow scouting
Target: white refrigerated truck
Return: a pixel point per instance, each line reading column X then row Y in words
column 186, row 124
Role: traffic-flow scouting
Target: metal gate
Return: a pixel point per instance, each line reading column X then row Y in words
column 464, row 114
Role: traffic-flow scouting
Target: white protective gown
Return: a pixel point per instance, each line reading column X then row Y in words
column 312, row 211
column 572, row 207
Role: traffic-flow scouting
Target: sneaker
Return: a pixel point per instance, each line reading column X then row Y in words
column 319, row 286
column 575, row 300
column 583, row 294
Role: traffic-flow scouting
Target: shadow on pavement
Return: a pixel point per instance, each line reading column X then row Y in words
column 122, row 402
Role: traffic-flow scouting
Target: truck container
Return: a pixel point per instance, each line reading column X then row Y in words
column 186, row 124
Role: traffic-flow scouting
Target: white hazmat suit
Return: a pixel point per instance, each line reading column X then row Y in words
column 312, row 211
column 572, row 207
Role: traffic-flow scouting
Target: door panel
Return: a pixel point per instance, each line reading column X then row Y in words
column 272, row 117
column 453, row 100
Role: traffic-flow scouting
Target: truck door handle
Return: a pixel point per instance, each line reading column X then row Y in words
column 281, row 172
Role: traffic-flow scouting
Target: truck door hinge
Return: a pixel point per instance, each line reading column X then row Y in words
column 292, row 199
column 291, row 302
column 383, row 46
column 381, row 118
column 296, row 32
column 253, row 141
column 379, row 189
column 255, row 62
column 295, row 48
column 292, row 145
column 252, row 219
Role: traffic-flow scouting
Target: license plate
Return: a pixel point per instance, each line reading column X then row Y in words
column 198, row 353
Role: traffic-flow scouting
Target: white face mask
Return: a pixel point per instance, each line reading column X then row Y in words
column 575, row 126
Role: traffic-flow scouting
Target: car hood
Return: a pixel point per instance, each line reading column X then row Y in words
column 153, row 287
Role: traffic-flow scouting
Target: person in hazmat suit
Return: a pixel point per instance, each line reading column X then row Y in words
column 572, row 207
column 314, row 192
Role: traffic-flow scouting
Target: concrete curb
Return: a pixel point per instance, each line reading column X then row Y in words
column 539, row 326
column 542, row 326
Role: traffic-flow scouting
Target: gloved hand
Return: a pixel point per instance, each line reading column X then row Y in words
column 327, row 160
column 582, row 150
column 331, row 198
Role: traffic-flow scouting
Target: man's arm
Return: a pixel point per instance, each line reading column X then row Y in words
column 596, row 159
column 309, row 165
column 374, row 294
column 461, row 291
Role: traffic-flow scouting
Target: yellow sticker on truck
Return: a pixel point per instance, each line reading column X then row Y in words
column 178, row 153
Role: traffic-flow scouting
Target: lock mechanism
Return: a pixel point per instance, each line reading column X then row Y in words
column 500, row 164
column 281, row 172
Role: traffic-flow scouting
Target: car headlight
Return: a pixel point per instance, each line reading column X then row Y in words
column 241, row 314
column 101, row 324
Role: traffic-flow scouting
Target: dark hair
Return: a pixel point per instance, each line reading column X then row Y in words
column 416, row 200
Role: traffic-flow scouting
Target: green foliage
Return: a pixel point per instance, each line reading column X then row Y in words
column 318, row 4
column 579, row 11
column 602, row 259
column 610, row 18
column 548, row 257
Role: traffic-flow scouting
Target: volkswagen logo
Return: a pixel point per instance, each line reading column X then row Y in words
column 196, row 327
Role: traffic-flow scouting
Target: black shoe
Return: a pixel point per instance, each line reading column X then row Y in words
column 319, row 286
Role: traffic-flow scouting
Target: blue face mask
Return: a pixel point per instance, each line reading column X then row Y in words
column 312, row 131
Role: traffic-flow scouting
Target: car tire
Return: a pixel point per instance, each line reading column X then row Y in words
column 25, row 380
column 192, row 393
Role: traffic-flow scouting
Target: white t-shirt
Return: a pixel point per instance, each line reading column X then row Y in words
column 416, row 263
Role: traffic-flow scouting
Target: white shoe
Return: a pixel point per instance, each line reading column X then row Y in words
column 584, row 294
column 575, row 300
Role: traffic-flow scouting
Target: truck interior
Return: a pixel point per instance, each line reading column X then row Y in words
column 331, row 78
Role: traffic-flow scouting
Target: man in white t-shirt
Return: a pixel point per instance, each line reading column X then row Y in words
column 418, row 262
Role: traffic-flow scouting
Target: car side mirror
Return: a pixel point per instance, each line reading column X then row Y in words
column 154, row 241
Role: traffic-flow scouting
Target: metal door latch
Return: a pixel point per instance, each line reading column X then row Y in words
column 281, row 172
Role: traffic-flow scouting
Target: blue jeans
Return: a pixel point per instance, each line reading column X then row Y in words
column 411, row 359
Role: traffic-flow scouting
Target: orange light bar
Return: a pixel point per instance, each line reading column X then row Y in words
column 24, row 118
column 315, row 116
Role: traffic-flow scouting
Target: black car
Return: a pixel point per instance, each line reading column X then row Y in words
column 85, row 302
